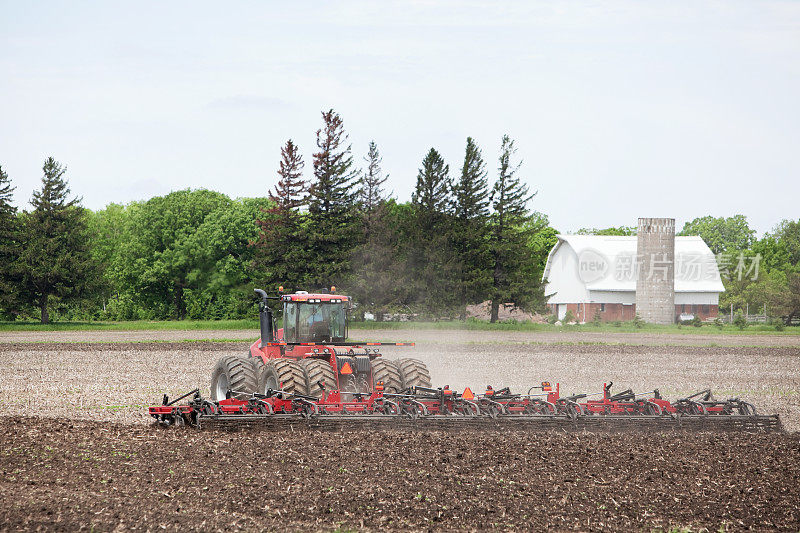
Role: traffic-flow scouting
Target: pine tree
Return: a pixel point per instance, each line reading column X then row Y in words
column 431, row 196
column 510, row 266
column 280, row 246
column 56, row 262
column 376, row 264
column 332, row 202
column 371, row 194
column 290, row 191
column 8, row 248
column 471, row 210
column 432, row 260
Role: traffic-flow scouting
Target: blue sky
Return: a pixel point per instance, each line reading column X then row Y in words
column 619, row 109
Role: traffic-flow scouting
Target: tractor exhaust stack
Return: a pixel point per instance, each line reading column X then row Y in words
column 265, row 319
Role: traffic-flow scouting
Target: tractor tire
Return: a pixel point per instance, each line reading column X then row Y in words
column 233, row 373
column 318, row 370
column 283, row 374
column 414, row 373
column 257, row 361
column 388, row 373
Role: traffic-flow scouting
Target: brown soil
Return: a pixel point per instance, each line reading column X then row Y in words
column 68, row 476
column 98, row 464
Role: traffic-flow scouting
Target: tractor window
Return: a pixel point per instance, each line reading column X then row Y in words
column 290, row 322
column 321, row 322
column 337, row 321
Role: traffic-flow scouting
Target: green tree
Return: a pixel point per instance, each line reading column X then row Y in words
column 371, row 195
column 722, row 234
column 512, row 280
column 774, row 253
column 433, row 268
column 110, row 230
column 332, row 202
column 56, row 261
column 9, row 249
column 778, row 283
column 281, row 257
column 219, row 255
column 788, row 234
column 541, row 239
column 156, row 260
column 623, row 231
column 376, row 261
column 431, row 196
column 470, row 231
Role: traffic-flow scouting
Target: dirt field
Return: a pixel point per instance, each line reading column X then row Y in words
column 61, row 475
column 70, row 473
column 116, row 381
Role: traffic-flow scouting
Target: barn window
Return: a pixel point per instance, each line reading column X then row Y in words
column 683, row 308
column 705, row 309
column 602, row 308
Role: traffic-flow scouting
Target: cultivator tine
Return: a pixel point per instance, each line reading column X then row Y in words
column 623, row 396
column 195, row 392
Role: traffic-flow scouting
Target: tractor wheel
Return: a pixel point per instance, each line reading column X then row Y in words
column 388, row 373
column 233, row 373
column 258, row 363
column 283, row 374
column 318, row 370
column 414, row 373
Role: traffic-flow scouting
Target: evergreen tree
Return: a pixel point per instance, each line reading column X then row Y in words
column 280, row 247
column 511, row 268
column 432, row 261
column 332, row 202
column 56, row 262
column 8, row 248
column 290, row 191
column 376, row 262
column 371, row 194
column 471, row 210
column 431, row 196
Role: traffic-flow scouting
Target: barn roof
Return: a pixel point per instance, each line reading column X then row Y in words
column 696, row 267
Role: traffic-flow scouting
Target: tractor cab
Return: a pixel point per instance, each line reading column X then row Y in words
column 314, row 318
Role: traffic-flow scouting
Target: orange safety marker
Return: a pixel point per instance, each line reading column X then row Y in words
column 346, row 368
column 467, row 394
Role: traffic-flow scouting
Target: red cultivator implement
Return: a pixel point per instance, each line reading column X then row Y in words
column 442, row 407
column 306, row 372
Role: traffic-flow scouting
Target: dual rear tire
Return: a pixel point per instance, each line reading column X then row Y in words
column 245, row 375
column 400, row 374
column 234, row 373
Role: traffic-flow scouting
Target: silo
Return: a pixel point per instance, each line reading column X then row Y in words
column 655, row 283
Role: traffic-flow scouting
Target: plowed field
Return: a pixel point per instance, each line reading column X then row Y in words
column 92, row 476
column 77, row 451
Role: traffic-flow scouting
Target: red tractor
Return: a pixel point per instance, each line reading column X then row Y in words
column 310, row 354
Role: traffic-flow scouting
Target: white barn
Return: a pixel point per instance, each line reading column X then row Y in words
column 589, row 274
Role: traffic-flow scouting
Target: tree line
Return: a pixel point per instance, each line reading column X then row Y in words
column 465, row 237
column 757, row 273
